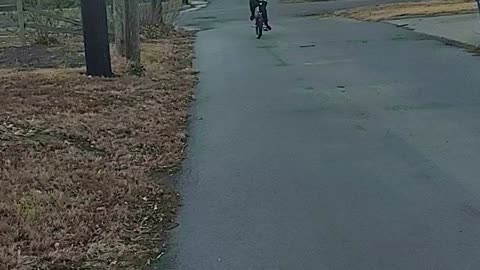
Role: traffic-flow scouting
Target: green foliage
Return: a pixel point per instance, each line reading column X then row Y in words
column 156, row 31
column 46, row 38
column 136, row 69
column 27, row 208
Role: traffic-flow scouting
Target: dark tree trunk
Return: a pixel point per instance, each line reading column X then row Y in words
column 95, row 38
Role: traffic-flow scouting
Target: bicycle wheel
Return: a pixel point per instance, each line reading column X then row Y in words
column 259, row 26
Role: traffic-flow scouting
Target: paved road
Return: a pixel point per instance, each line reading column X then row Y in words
column 328, row 145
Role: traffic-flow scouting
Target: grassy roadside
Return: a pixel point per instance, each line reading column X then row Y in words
column 82, row 161
column 411, row 9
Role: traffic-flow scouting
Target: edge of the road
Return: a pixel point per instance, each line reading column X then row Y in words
column 194, row 6
column 191, row 7
column 447, row 41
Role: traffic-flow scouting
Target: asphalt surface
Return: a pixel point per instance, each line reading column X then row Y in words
column 328, row 145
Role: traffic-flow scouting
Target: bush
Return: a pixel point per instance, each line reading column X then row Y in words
column 156, row 31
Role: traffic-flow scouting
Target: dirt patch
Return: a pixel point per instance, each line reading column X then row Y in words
column 37, row 56
column 77, row 156
column 411, row 9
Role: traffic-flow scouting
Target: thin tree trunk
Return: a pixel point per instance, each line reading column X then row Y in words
column 132, row 31
column 110, row 5
column 21, row 22
column 119, row 26
column 156, row 12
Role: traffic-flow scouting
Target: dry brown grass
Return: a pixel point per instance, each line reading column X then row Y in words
column 412, row 9
column 76, row 161
column 302, row 1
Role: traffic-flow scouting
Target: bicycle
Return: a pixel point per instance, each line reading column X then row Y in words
column 259, row 23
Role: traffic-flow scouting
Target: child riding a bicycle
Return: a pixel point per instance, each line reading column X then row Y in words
column 263, row 8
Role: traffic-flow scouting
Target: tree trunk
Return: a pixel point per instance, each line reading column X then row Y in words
column 95, row 37
column 21, row 22
column 132, row 31
column 156, row 12
column 110, row 5
column 119, row 25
